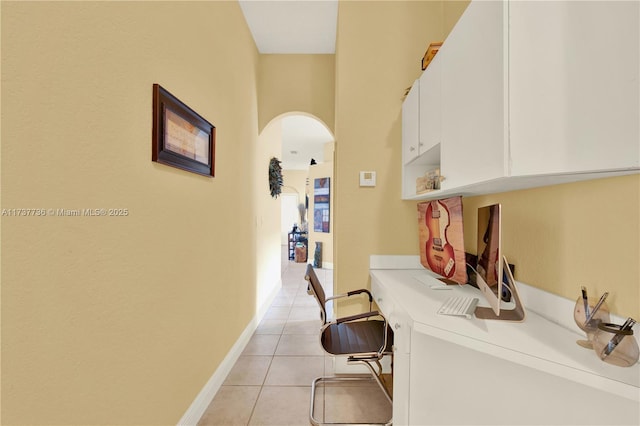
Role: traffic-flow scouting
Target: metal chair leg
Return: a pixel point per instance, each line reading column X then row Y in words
column 375, row 376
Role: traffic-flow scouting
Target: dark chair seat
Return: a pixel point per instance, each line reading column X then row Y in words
column 359, row 337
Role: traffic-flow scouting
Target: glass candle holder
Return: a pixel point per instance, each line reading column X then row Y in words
column 589, row 327
column 615, row 345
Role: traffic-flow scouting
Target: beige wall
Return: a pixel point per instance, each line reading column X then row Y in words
column 296, row 83
column 295, row 182
column 268, row 210
column 556, row 235
column 379, row 50
column 566, row 236
column 121, row 320
column 451, row 12
column 301, row 84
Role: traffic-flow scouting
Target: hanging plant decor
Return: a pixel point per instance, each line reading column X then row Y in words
column 275, row 177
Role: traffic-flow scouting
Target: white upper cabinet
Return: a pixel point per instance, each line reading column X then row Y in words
column 473, row 88
column 573, row 86
column 532, row 93
column 430, row 105
column 410, row 124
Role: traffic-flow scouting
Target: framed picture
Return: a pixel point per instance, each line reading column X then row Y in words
column 441, row 236
column 321, row 204
column 181, row 137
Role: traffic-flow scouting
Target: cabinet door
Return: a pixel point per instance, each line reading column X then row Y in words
column 574, row 72
column 430, row 108
column 453, row 384
column 410, row 124
column 401, row 324
column 473, row 97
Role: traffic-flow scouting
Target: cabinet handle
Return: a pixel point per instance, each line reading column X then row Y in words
column 379, row 299
column 396, row 326
column 413, row 148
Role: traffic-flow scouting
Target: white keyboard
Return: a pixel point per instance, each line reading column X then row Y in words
column 459, row 306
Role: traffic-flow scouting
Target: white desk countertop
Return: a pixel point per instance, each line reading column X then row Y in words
column 537, row 342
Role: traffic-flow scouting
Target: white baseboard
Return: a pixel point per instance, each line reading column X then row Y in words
column 325, row 265
column 199, row 405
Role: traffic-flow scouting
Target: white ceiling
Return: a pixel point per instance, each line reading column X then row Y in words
column 303, row 138
column 292, row 26
column 295, row 27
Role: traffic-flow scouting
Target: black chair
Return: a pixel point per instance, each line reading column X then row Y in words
column 363, row 338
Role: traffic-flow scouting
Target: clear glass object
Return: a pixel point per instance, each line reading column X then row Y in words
column 615, row 346
column 590, row 328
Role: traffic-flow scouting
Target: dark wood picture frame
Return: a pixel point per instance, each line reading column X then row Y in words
column 181, row 137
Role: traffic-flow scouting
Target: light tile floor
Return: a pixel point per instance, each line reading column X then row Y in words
column 270, row 384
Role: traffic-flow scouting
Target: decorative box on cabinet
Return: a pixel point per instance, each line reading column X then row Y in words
column 533, row 94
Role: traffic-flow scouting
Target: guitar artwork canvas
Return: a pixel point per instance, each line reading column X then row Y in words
column 440, row 232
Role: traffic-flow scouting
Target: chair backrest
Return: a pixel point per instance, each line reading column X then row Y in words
column 315, row 289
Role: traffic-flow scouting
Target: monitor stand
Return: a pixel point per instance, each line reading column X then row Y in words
column 517, row 314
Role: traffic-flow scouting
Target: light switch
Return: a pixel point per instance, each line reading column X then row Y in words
column 367, row 178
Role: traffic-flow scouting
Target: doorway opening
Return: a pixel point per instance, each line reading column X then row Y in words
column 307, row 153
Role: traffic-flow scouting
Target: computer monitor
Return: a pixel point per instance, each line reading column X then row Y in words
column 491, row 267
column 489, row 243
